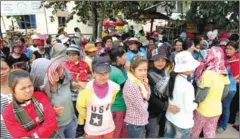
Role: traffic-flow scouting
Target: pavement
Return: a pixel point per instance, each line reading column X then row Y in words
column 229, row 133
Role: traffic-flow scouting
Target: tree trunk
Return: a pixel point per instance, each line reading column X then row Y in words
column 100, row 25
column 152, row 20
column 95, row 23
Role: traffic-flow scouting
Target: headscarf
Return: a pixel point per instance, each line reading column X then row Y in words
column 58, row 52
column 212, row 59
column 207, row 45
column 39, row 70
column 52, row 68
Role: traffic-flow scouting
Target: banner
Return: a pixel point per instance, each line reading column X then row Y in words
column 9, row 8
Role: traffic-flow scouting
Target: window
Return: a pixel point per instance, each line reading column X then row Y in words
column 61, row 21
column 28, row 20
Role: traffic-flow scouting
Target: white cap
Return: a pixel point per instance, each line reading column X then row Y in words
column 35, row 37
column 185, row 62
column 63, row 38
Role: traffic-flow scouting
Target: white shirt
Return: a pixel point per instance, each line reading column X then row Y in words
column 183, row 97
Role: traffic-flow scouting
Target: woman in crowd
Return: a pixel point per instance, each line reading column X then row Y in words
column 177, row 48
column 212, row 88
column 25, row 50
column 57, row 84
column 179, row 125
column 159, row 78
column 136, row 93
column 95, row 101
column 18, row 60
column 118, row 75
column 134, row 50
column 6, row 94
column 30, row 114
column 91, row 52
column 231, row 52
column 42, row 52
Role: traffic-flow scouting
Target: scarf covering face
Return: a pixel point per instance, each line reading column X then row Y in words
column 214, row 60
column 55, row 66
column 138, row 82
column 23, row 118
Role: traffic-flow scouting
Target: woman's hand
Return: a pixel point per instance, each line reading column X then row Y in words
column 173, row 109
column 75, row 85
column 58, row 109
column 82, row 84
column 145, row 82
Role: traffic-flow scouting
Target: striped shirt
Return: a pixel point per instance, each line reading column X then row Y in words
column 5, row 100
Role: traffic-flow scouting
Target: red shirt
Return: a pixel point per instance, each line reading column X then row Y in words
column 79, row 71
column 44, row 130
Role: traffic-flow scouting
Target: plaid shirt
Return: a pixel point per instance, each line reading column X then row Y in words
column 137, row 107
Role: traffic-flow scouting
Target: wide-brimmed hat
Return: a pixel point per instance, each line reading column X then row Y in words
column 63, row 38
column 98, row 40
column 100, row 64
column 73, row 48
column 158, row 53
column 90, row 47
column 133, row 39
column 185, row 62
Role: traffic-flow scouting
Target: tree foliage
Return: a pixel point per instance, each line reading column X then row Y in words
column 223, row 14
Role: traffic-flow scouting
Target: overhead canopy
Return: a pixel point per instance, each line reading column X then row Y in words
column 151, row 15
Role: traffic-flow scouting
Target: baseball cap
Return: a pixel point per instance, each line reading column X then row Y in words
column 90, row 47
column 101, row 64
column 158, row 53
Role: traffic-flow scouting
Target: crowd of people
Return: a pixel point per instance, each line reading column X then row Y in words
column 127, row 86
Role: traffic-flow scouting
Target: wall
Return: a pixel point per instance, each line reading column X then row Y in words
column 52, row 26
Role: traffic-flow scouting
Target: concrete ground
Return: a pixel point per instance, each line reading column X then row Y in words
column 229, row 133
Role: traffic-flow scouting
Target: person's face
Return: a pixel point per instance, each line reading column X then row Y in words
column 133, row 45
column 198, row 46
column 178, row 46
column 230, row 51
column 5, row 69
column 17, row 49
column 41, row 47
column 141, row 71
column 23, row 90
column 108, row 42
column 203, row 45
column 19, row 43
column 160, row 63
column 151, row 42
column 92, row 54
column 73, row 57
column 99, row 45
column 191, row 49
column 121, row 60
column 101, row 78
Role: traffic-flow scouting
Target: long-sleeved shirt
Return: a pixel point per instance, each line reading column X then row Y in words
column 183, row 97
column 43, row 130
column 137, row 106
